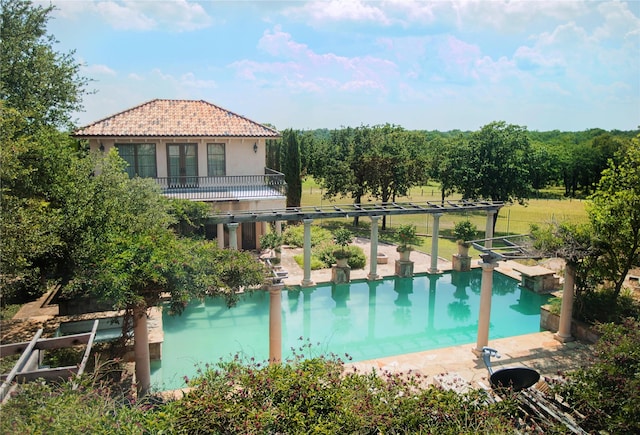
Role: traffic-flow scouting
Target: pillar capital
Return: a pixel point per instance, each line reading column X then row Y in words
column 232, row 225
column 307, row 221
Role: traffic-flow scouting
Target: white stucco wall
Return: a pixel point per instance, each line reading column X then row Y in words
column 239, row 155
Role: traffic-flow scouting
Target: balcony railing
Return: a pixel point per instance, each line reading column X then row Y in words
column 269, row 185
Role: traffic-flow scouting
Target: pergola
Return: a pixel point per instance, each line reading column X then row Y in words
column 373, row 211
column 511, row 251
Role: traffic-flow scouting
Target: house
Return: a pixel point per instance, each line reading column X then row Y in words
column 198, row 151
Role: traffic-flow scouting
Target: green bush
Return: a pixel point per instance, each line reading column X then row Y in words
column 603, row 306
column 607, row 393
column 326, row 254
column 294, row 235
column 316, row 262
column 313, row 395
column 318, row 396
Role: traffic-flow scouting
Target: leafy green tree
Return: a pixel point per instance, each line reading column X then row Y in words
column 41, row 83
column 447, row 162
column 290, row 165
column 614, row 213
column 121, row 248
column 394, row 163
column 497, row 167
column 543, row 166
column 34, row 167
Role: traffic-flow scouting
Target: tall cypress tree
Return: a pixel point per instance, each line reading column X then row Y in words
column 290, row 165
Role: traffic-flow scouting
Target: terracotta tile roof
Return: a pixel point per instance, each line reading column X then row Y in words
column 176, row 118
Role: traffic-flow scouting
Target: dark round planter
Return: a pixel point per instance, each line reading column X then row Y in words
column 516, row 378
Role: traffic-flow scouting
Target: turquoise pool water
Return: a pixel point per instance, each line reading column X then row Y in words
column 364, row 319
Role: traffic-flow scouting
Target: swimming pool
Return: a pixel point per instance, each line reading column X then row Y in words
column 366, row 319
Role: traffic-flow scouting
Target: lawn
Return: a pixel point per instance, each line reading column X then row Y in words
column 512, row 219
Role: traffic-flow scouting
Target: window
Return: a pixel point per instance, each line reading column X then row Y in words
column 215, row 160
column 141, row 159
column 183, row 164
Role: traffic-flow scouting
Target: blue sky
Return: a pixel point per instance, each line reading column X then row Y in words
column 432, row 65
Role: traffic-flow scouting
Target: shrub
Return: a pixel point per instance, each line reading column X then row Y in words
column 294, row 235
column 271, row 241
column 603, row 306
column 355, row 254
column 407, row 236
column 317, row 396
column 464, row 231
column 608, row 392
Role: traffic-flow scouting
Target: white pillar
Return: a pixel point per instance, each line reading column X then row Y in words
column 220, row 235
column 488, row 230
column 306, row 280
column 275, row 323
column 233, row 235
column 279, row 228
column 434, row 243
column 373, row 253
column 485, row 304
column 566, row 310
column 141, row 350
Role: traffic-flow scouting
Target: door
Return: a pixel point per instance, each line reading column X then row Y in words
column 249, row 236
column 183, row 165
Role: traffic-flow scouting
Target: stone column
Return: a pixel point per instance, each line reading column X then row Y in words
column 233, row 235
column 488, row 264
column 488, row 231
column 141, row 350
column 373, row 253
column 220, row 235
column 279, row 228
column 434, row 243
column 306, row 280
column 275, row 323
column 566, row 310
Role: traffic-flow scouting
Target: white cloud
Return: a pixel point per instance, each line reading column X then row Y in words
column 172, row 16
column 98, row 69
column 297, row 67
column 618, row 21
column 315, row 12
column 190, row 80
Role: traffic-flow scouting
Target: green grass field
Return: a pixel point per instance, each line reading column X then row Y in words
column 512, row 219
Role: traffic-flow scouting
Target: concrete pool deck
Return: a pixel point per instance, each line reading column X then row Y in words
column 539, row 351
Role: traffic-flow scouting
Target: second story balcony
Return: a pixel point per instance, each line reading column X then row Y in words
column 271, row 185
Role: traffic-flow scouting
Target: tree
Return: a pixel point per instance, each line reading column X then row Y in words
column 35, row 167
column 497, row 166
column 447, row 162
column 127, row 255
column 290, row 165
column 41, row 83
column 614, row 213
column 394, row 162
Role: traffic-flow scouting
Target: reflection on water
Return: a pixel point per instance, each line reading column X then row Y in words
column 364, row 319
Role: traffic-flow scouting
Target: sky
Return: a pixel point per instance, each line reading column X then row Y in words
column 566, row 65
